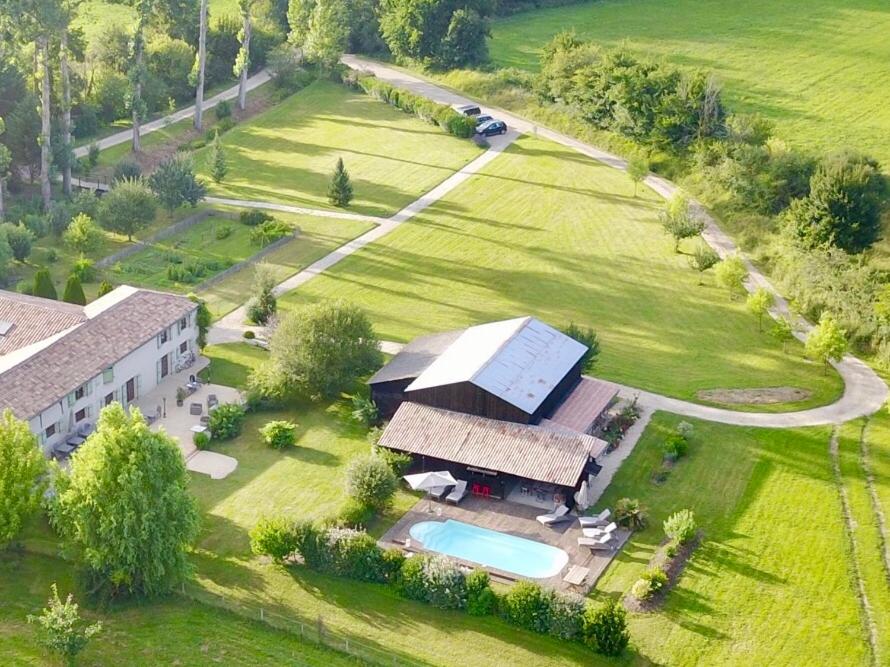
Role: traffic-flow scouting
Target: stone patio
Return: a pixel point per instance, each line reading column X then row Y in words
column 515, row 519
column 177, row 421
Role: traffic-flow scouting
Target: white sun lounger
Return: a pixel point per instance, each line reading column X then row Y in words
column 558, row 515
column 600, row 519
column 599, row 532
column 438, row 491
column 457, row 493
column 595, row 543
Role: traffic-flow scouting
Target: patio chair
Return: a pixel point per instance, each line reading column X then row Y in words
column 603, row 543
column 457, row 493
column 599, row 532
column 212, row 400
column 195, row 408
column 558, row 515
column 595, row 521
column 205, row 420
column 438, row 492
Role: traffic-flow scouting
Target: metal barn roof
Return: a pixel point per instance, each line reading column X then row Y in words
column 520, row 361
column 415, row 357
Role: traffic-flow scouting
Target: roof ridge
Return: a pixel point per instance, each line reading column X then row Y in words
column 525, row 321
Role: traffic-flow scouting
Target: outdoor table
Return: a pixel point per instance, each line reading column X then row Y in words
column 576, row 575
column 198, row 428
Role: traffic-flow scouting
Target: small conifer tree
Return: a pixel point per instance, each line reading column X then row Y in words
column 218, row 165
column 43, row 285
column 74, row 291
column 340, row 192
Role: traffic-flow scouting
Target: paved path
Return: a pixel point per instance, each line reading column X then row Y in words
column 864, row 391
column 300, row 210
column 231, row 327
column 124, row 136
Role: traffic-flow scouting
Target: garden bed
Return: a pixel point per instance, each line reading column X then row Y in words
column 672, row 566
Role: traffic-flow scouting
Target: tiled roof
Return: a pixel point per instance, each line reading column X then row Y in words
column 520, row 361
column 526, row 451
column 584, row 404
column 50, row 374
column 32, row 319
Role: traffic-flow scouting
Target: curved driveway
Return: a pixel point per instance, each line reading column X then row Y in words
column 864, row 392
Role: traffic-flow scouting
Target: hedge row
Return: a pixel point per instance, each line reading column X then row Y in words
column 432, row 112
column 439, row 581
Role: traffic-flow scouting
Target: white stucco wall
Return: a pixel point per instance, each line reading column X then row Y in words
column 143, row 363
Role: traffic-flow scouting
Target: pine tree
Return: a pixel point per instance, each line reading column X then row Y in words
column 218, row 166
column 105, row 287
column 74, row 291
column 340, row 192
column 43, row 285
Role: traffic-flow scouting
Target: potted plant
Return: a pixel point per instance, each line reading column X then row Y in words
column 180, row 396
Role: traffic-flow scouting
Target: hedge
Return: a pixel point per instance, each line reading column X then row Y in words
column 442, row 115
column 439, row 581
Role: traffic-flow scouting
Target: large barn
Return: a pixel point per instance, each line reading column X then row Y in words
column 449, row 395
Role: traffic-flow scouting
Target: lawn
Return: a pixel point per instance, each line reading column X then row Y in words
column 771, row 584
column 317, row 238
column 171, row 632
column 287, row 153
column 817, row 68
column 551, row 233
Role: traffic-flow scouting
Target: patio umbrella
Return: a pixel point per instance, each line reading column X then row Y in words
column 582, row 497
column 427, row 481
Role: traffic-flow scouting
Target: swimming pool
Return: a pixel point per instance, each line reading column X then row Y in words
column 501, row 551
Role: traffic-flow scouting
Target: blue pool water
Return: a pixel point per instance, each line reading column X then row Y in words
column 490, row 548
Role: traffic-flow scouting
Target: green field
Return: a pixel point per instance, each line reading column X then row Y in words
column 172, row 632
column 548, row 232
column 771, row 583
column 287, row 154
column 818, row 68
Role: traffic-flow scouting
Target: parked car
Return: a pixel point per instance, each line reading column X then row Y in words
column 492, row 128
column 467, row 109
column 481, row 120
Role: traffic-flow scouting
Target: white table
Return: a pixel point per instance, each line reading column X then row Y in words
column 199, row 428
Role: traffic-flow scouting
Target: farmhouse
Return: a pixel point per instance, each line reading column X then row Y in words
column 502, row 405
column 60, row 364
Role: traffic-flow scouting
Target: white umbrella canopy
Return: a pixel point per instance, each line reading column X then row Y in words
column 424, row 481
column 582, row 497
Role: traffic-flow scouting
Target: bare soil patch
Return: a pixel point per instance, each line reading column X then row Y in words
column 764, row 396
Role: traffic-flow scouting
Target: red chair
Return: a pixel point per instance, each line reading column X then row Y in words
column 486, row 491
column 477, row 489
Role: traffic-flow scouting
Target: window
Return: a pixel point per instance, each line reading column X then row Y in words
column 79, row 392
column 80, row 415
column 109, row 399
column 163, row 337
column 183, row 323
column 108, row 375
column 50, row 431
column 184, row 347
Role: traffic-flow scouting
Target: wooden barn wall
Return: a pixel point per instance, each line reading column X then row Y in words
column 388, row 396
column 560, row 391
column 468, row 398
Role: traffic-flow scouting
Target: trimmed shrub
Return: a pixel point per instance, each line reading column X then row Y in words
column 74, row 291
column 254, row 217
column 605, row 628
column 223, row 232
column 273, row 537
column 201, row 440
column 248, row 335
column 269, row 232
column 680, row 526
column 446, row 587
column 675, row 446
column 481, row 599
column 685, row 429
column 393, row 560
column 649, row 584
column 370, row 481
column 20, row 239
column 309, row 540
column 125, row 171
column 410, row 581
column 527, row 605
column 226, row 421
column 354, row 514
column 398, row 462
column 279, row 434
column 566, row 616
column 354, row 554
column 43, row 285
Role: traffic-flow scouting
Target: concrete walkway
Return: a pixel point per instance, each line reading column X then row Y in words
column 299, row 210
column 124, row 136
column 231, row 327
column 864, row 391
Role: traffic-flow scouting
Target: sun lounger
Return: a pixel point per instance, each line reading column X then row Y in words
column 457, row 493
column 600, row 519
column 438, row 492
column 558, row 515
column 599, row 532
column 596, row 543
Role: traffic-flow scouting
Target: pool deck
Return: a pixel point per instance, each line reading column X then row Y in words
column 515, row 519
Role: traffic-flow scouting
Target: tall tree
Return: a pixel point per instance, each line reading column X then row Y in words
column 200, row 66
column 125, row 510
column 242, row 62
column 5, row 162
column 827, row 341
column 129, row 207
column 69, row 12
column 21, row 467
column 138, row 69
column 328, row 32
column 45, row 131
